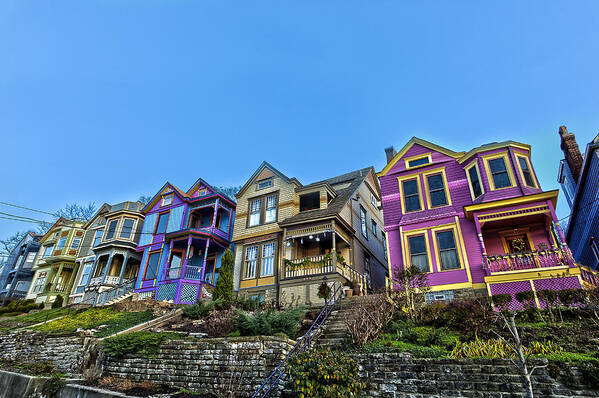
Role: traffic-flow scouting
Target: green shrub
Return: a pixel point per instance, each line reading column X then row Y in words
column 199, row 310
column 247, row 304
column 53, row 385
column 502, row 300
column 223, row 290
column 469, row 315
column 569, row 297
column 497, row 348
column 527, row 298
column 269, row 322
column 57, row 303
column 16, row 307
column 145, row 343
column 325, row 374
column 389, row 343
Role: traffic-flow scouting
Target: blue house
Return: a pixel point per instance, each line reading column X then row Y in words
column 17, row 273
column 579, row 177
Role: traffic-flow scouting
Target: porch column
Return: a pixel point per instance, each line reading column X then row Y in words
column 333, row 245
column 184, row 266
column 71, row 280
column 123, row 266
column 215, row 213
column 108, row 265
column 56, row 277
column 562, row 237
column 205, row 257
column 482, row 244
column 92, row 272
column 166, row 261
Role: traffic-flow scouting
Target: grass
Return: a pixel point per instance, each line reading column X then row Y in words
column 390, row 343
column 32, row 319
column 93, row 318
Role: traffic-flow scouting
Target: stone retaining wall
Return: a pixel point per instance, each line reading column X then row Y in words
column 68, row 353
column 239, row 364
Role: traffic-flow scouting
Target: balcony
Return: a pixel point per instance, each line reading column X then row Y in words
column 59, row 288
column 111, row 280
column 526, row 261
column 191, row 272
column 319, row 265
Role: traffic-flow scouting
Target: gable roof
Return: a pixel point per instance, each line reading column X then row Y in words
column 413, row 141
column 155, row 198
column 491, row 146
column 259, row 170
column 62, row 221
column 212, row 188
column 355, row 178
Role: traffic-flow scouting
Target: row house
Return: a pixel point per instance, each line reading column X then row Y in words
column 108, row 262
column 577, row 175
column 475, row 222
column 55, row 265
column 290, row 237
column 17, row 274
column 183, row 238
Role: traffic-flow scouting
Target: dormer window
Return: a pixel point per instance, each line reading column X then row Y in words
column 202, row 192
column 474, row 181
column 526, row 171
column 264, row 184
column 167, row 200
column 310, row 201
column 499, row 171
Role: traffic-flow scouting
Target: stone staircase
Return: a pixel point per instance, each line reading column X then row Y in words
column 335, row 333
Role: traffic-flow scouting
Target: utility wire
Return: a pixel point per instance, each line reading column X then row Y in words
column 27, row 208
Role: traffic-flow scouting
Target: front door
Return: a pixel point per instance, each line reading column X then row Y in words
column 518, row 244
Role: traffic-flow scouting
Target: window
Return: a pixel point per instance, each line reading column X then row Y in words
column 222, row 221
column 251, row 257
column 161, row 223
column 373, row 227
column 447, row 251
column 127, row 228
column 202, row 192
column 310, row 201
column 418, row 253
column 61, row 243
column 98, row 237
column 76, row 243
column 526, row 173
column 30, row 257
column 373, row 200
column 475, row 182
column 499, row 173
column 111, row 229
column 363, row 222
column 167, row 200
column 418, row 162
column 271, row 209
column 87, row 269
column 384, row 237
column 411, row 195
column 594, row 248
column 152, row 266
column 40, row 282
column 22, row 286
column 436, row 190
column 268, row 259
column 255, row 206
column 264, row 184
column 47, row 251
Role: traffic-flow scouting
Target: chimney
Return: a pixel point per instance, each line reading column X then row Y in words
column 390, row 152
column 571, row 151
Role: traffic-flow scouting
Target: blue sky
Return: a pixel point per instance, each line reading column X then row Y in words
column 103, row 101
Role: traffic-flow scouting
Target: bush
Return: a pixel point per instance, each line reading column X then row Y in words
column 53, row 385
column 57, row 303
column 223, row 290
column 469, row 315
column 369, row 317
column 218, row 323
column 527, row 298
column 325, row 374
column 199, row 310
column 389, row 343
column 16, row 307
column 248, row 304
column 502, row 301
column 497, row 348
column 570, row 297
column 145, row 343
column 269, row 322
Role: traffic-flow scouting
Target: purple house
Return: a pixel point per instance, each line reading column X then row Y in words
column 183, row 239
column 476, row 222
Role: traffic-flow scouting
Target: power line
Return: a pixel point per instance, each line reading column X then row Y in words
column 27, row 208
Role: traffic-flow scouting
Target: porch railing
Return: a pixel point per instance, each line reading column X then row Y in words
column 193, row 272
column 319, row 265
column 116, row 292
column 529, row 260
column 111, row 280
column 589, row 276
column 303, row 344
column 173, row 273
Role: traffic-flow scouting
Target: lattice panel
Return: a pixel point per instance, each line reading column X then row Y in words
column 166, row 292
column 568, row 282
column 189, row 293
column 511, row 288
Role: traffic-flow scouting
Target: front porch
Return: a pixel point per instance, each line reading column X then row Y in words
column 113, row 268
column 59, row 281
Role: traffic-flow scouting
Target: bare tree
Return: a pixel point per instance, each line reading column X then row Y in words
column 7, row 245
column 72, row 212
column 144, row 199
column 410, row 285
column 369, row 316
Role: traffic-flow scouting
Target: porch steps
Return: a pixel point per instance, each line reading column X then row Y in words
column 119, row 299
column 335, row 333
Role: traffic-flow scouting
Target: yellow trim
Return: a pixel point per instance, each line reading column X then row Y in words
column 532, row 174
column 491, row 147
column 401, row 180
column 462, row 285
column 389, row 253
column 508, row 166
column 534, row 293
column 536, row 273
column 428, row 191
column 244, row 284
column 468, row 210
column 456, row 238
column 513, row 215
column 270, row 280
column 474, row 164
column 463, row 247
column 413, row 141
column 406, row 236
column 479, row 285
column 418, row 157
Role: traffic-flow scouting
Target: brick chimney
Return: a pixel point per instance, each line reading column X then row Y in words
column 571, row 151
column 390, row 152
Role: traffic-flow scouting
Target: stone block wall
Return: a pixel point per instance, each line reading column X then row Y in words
column 239, row 364
column 67, row 353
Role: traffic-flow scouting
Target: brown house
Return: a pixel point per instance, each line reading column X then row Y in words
column 290, row 237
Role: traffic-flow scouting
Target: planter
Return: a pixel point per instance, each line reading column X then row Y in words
column 349, row 292
column 358, row 289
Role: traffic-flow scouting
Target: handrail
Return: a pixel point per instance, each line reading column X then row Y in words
column 528, row 260
column 302, row 345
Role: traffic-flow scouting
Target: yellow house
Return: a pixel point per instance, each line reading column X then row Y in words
column 55, row 266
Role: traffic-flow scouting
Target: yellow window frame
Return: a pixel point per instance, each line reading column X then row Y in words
column 470, row 165
column 532, row 174
column 418, row 157
column 428, row 192
column 458, row 246
column 406, row 247
column 508, row 167
column 401, row 180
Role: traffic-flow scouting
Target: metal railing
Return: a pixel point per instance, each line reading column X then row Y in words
column 193, row 272
column 589, row 276
column 529, row 260
column 116, row 292
column 303, row 344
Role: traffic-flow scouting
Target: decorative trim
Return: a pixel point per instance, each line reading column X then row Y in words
column 537, row 197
